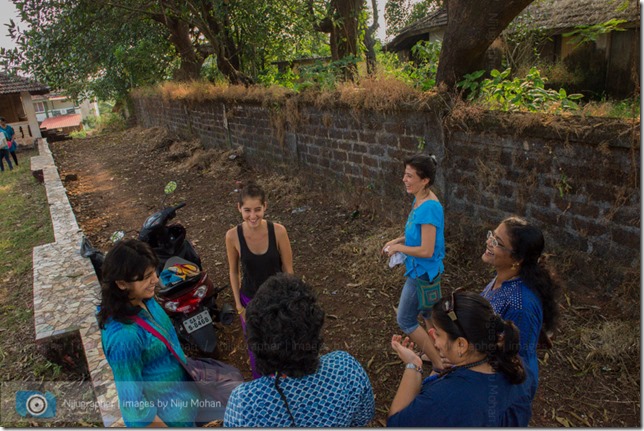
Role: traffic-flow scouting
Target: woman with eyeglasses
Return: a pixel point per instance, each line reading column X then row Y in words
column 423, row 245
column 483, row 387
column 297, row 387
column 524, row 290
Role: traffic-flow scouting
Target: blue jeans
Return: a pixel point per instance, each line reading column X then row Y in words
column 407, row 316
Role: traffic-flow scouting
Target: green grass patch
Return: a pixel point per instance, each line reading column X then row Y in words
column 24, row 365
column 25, row 215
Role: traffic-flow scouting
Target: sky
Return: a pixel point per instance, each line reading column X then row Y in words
column 8, row 11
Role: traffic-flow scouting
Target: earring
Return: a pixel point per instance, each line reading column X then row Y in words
column 515, row 265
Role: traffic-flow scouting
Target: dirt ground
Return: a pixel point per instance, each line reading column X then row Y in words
column 590, row 378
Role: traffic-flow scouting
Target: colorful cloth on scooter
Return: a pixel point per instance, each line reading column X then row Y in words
column 177, row 273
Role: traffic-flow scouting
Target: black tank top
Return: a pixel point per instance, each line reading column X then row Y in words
column 256, row 268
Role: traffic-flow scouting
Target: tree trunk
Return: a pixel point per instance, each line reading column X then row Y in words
column 191, row 61
column 341, row 23
column 470, row 31
column 345, row 33
column 370, row 42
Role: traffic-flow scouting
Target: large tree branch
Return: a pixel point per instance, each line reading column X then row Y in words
column 470, row 32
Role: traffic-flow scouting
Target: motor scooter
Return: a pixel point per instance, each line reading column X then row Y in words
column 189, row 298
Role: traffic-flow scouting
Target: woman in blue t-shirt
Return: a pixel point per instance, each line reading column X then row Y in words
column 423, row 244
column 524, row 290
column 482, row 388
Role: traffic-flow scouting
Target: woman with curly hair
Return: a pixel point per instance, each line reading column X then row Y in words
column 483, row 387
column 298, row 387
column 524, row 290
column 150, row 382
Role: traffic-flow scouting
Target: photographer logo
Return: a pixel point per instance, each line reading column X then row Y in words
column 36, row 404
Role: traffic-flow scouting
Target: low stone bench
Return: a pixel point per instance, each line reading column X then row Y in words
column 66, row 289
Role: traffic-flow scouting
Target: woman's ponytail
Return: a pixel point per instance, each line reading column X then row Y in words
column 504, row 356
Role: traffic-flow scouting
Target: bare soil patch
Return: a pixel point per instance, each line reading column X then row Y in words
column 590, row 378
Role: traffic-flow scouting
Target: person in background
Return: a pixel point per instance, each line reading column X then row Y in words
column 9, row 133
column 4, row 153
column 523, row 290
column 297, row 387
column 256, row 249
column 424, row 246
column 150, row 382
column 483, row 387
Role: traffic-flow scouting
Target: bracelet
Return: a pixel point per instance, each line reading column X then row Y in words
column 240, row 312
column 411, row 366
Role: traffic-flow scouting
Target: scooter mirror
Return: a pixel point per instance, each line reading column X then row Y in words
column 117, row 236
column 170, row 187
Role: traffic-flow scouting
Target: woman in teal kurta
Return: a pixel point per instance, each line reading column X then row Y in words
column 153, row 388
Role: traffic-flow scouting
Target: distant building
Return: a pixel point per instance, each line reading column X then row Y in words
column 54, row 105
column 16, row 105
column 610, row 64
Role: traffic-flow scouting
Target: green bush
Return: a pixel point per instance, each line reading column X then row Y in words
column 519, row 94
column 421, row 72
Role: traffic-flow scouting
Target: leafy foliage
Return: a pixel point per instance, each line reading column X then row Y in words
column 518, row 94
column 420, row 73
column 70, row 46
column 587, row 33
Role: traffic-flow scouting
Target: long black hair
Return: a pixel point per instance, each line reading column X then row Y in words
column 527, row 244
column 127, row 261
column 487, row 332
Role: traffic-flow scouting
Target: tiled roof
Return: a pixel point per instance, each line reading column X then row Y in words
column 567, row 14
column 10, row 84
column 62, row 121
column 414, row 32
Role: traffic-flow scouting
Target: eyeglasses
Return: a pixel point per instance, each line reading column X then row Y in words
column 494, row 241
column 448, row 308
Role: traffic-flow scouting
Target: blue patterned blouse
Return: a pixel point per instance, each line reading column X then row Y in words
column 517, row 302
column 339, row 394
column 149, row 380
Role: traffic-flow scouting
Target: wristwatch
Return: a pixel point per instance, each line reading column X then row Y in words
column 414, row 367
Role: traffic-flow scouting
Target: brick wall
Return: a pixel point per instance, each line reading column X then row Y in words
column 576, row 178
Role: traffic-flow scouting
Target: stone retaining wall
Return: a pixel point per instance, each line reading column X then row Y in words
column 66, row 288
column 577, row 178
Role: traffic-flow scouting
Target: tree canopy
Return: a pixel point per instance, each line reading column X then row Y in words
column 108, row 47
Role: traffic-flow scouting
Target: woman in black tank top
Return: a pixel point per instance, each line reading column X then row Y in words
column 256, row 250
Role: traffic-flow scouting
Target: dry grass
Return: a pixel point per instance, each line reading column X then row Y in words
column 365, row 253
column 380, row 94
column 612, row 341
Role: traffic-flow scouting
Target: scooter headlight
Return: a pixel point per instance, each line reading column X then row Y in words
column 200, row 292
column 171, row 306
